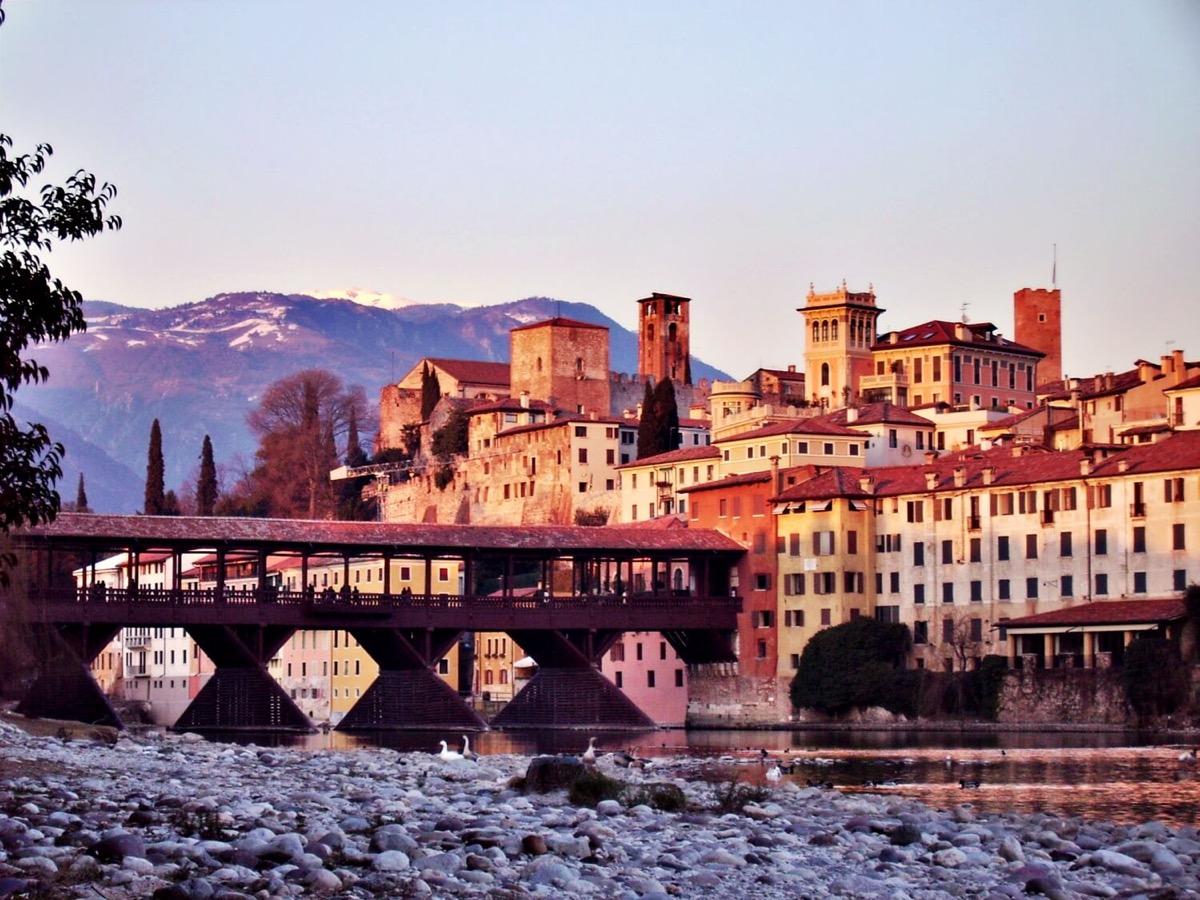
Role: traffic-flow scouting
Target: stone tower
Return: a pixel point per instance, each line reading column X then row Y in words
column 664, row 345
column 839, row 329
column 562, row 362
column 1037, row 318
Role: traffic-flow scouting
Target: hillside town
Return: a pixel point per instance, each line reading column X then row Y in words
column 940, row 475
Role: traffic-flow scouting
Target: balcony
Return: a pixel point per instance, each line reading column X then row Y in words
column 133, row 641
column 887, row 380
column 137, row 672
column 1137, row 510
column 1046, row 517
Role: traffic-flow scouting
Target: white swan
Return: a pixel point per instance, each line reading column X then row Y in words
column 589, row 755
column 1189, row 756
column 467, row 752
column 774, row 773
column 447, row 754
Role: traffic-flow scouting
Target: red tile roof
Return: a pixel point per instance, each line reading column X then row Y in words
column 839, row 481
column 878, row 413
column 687, row 454
column 1106, row 612
column 937, row 332
column 821, row 426
column 510, row 404
column 560, row 322
column 727, row 482
column 1193, row 382
column 559, row 422
column 475, row 372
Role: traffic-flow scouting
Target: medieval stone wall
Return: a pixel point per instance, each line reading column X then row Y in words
column 720, row 697
column 1063, row 696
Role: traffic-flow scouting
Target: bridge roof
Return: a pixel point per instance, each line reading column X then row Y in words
column 193, row 533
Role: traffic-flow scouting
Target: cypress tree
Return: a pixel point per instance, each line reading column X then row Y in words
column 206, row 483
column 648, row 425
column 155, row 500
column 354, row 451
column 81, row 501
column 668, row 413
column 431, row 391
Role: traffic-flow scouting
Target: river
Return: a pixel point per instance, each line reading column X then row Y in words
column 1101, row 776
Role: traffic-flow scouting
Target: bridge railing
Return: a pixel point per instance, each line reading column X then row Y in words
column 350, row 602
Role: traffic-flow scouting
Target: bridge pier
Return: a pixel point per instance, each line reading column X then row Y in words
column 568, row 690
column 241, row 695
column 408, row 693
column 65, row 688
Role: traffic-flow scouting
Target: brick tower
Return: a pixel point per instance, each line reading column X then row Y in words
column 563, row 362
column 1037, row 318
column 664, row 345
column 839, row 329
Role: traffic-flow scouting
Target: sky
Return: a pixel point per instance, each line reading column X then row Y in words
column 734, row 153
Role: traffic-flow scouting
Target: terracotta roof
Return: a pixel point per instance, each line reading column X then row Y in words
column 727, row 482
column 559, row 422
column 560, row 322
column 474, row 371
column 840, row 481
column 937, row 332
column 1145, row 429
column 821, row 426
column 1094, row 386
column 781, row 374
column 882, row 413
column 687, row 454
column 1013, row 421
column 695, row 423
column 1105, row 612
column 293, row 535
column 1189, row 384
column 509, row 404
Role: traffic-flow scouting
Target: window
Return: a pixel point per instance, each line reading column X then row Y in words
column 762, row 581
column 918, row 554
column 1101, row 541
column 1031, row 546
column 947, row 552
column 976, row 591
column 852, row 542
column 824, row 582
column 1173, row 490
column 1003, row 589
column 894, row 583
column 1178, row 536
column 1139, row 539
column 823, row 543
column 662, row 650
column 918, row 594
column 1002, row 547
column 948, row 592
column 1101, row 584
column 583, row 454
column 679, row 677
column 976, row 550
column 638, row 649
column 826, row 617
column 920, row 632
column 1064, row 543
column 1068, row 585
column 1103, row 496
column 947, row 631
column 620, row 679
column 1179, row 579
column 1139, row 582
column 977, row 628
column 1031, row 588
column 722, row 508
column 650, row 679
column 916, row 510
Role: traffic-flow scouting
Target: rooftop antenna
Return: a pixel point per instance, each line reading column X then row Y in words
column 964, row 313
column 1054, row 269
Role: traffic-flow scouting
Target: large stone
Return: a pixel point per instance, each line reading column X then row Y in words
column 553, row 773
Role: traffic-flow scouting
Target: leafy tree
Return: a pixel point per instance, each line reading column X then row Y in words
column 431, row 391
column 155, row 498
column 206, row 482
column 36, row 308
column 298, row 422
column 855, row 664
column 1155, row 679
column 452, row 437
column 81, row 500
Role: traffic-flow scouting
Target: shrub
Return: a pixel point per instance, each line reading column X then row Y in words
column 858, row 663
column 665, row 797
column 1154, row 676
column 992, row 669
column 732, row 797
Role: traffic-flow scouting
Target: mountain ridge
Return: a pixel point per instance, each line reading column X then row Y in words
column 200, row 367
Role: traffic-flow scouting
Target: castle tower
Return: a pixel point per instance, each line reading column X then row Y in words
column 562, row 362
column 664, row 344
column 839, row 329
column 1037, row 320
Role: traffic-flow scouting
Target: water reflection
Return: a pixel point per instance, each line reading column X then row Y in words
column 1115, row 777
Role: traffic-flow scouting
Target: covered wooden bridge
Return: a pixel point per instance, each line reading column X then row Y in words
column 566, row 631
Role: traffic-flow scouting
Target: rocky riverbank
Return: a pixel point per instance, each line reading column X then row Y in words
column 171, row 816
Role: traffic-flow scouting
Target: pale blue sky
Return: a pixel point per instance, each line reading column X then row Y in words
column 730, row 152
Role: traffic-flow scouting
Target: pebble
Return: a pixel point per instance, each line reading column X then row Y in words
column 174, row 816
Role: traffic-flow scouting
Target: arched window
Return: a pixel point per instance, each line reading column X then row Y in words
column 678, row 580
column 824, row 374
column 504, row 676
column 833, row 329
column 487, row 676
column 671, row 332
column 816, row 331
column 650, row 332
column 825, row 331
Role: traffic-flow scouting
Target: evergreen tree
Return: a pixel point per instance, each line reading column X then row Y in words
column 668, row 411
column 354, row 451
column 170, row 505
column 81, row 501
column 648, row 424
column 155, row 501
column 659, row 428
column 206, row 483
column 431, row 391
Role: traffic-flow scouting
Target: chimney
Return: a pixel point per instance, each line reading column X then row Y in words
column 866, row 483
column 930, row 456
column 1085, row 465
column 792, row 367
column 931, row 480
column 1018, row 451
column 851, row 415
column 989, row 474
column 960, row 476
column 1122, row 466
column 524, row 399
column 961, row 332
column 776, row 484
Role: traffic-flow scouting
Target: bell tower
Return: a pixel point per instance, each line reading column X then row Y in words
column 839, row 329
column 664, row 345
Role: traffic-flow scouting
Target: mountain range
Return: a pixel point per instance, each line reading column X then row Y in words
column 201, row 367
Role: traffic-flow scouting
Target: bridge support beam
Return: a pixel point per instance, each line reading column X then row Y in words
column 568, row 690
column 65, row 688
column 241, row 695
column 408, row 693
